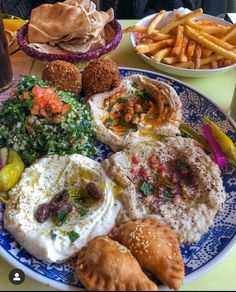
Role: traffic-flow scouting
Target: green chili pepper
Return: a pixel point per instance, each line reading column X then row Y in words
column 194, row 134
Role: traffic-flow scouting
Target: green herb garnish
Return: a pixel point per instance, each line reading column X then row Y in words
column 181, row 165
column 123, row 123
column 109, row 122
column 134, row 85
column 126, row 133
column 53, row 234
column 73, row 235
column 146, row 188
column 168, row 195
column 83, row 211
column 153, row 116
column 73, row 195
column 110, row 106
column 171, row 187
column 121, row 100
column 75, row 134
column 61, row 217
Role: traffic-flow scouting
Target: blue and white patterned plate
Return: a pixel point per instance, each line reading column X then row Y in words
column 198, row 257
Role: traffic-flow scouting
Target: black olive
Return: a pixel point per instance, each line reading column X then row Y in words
column 58, row 197
column 42, row 213
column 62, row 205
column 93, row 191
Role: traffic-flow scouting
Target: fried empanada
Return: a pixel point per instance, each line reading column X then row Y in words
column 155, row 247
column 106, row 265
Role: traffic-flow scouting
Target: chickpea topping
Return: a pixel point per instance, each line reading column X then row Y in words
column 138, row 108
column 177, row 200
column 128, row 117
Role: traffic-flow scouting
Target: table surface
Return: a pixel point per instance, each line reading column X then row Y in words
column 218, row 88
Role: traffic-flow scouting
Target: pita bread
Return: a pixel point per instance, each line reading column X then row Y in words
column 73, row 26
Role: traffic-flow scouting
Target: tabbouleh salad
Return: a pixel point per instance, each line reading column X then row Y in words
column 40, row 120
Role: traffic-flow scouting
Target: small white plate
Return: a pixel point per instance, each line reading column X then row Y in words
column 181, row 71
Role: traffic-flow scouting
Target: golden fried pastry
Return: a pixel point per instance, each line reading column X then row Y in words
column 106, row 265
column 155, row 247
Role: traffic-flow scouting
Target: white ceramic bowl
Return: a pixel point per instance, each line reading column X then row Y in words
column 181, row 71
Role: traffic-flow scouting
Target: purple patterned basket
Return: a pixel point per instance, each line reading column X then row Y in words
column 70, row 57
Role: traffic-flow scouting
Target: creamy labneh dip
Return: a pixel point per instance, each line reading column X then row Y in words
column 173, row 181
column 61, row 235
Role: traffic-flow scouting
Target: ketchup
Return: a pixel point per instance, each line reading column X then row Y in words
column 6, row 74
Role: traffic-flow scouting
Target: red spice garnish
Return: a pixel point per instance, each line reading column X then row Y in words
column 135, row 160
column 162, row 167
column 143, row 171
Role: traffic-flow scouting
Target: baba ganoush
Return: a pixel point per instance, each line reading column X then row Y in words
column 173, row 181
column 59, row 204
column 140, row 109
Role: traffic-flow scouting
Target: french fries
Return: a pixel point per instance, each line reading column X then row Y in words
column 178, row 41
column 230, row 33
column 140, row 29
column 183, row 52
column 191, row 48
column 153, row 47
column 169, row 26
column 155, row 21
column 210, row 29
column 186, row 42
column 197, row 56
column 193, row 34
column 161, row 54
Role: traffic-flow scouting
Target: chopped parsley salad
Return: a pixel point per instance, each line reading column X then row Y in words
column 42, row 120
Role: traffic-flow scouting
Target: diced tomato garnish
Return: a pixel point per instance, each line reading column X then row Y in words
column 25, row 94
column 43, row 113
column 46, row 101
column 162, row 167
column 144, row 171
column 35, row 110
column 174, row 178
column 135, row 160
column 66, row 108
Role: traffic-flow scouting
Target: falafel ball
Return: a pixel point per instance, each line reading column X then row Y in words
column 64, row 75
column 100, row 75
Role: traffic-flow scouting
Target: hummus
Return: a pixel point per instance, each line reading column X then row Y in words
column 89, row 218
column 140, row 109
column 173, row 181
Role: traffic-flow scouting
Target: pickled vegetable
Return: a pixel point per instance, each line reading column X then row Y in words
column 225, row 142
column 11, row 172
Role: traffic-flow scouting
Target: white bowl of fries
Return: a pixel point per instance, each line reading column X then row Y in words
column 185, row 43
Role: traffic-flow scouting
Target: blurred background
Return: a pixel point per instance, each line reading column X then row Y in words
column 127, row 9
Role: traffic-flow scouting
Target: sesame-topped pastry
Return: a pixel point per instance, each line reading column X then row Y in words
column 156, row 248
column 106, row 265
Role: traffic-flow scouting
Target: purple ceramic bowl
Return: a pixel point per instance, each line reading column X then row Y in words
column 70, row 57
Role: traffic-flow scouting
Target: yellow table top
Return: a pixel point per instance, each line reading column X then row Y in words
column 220, row 89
